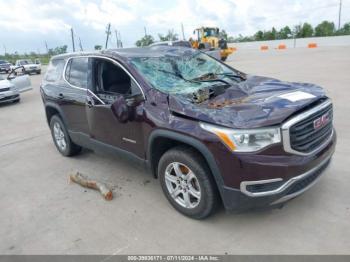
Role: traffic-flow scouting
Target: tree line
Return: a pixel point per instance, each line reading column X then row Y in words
column 325, row 28
column 44, row 58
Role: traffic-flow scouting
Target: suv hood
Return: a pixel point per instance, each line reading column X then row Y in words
column 255, row 102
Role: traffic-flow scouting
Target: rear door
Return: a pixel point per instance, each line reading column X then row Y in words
column 72, row 95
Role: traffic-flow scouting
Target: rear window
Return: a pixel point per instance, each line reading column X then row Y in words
column 55, row 70
column 77, row 72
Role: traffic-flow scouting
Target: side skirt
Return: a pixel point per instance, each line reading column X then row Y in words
column 97, row 146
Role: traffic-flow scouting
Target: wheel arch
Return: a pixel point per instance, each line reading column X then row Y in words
column 162, row 140
column 52, row 109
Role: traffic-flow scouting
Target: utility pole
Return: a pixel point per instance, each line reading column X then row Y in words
column 183, row 34
column 80, row 45
column 72, row 35
column 108, row 32
column 116, row 36
column 5, row 49
column 47, row 49
column 120, row 40
column 339, row 18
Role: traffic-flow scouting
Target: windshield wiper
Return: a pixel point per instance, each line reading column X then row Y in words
column 198, row 79
column 232, row 75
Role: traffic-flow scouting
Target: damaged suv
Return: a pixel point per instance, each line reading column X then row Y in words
column 207, row 131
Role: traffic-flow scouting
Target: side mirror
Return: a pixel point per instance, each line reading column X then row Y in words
column 134, row 100
column 124, row 108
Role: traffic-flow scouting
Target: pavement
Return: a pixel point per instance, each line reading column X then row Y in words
column 41, row 213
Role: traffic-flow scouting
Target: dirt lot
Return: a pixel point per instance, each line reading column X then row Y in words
column 42, row 214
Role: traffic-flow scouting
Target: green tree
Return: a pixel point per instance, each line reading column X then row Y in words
column 98, row 47
column 259, row 36
column 325, row 28
column 145, row 41
column 345, row 30
column 284, row 33
column 274, row 33
column 306, row 30
column 269, row 35
column 296, row 31
column 170, row 36
column 58, row 50
column 230, row 39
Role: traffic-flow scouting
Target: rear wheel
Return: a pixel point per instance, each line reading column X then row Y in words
column 61, row 138
column 187, row 182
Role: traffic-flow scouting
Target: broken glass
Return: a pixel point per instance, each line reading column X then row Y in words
column 180, row 74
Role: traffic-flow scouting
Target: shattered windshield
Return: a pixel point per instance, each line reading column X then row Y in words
column 181, row 74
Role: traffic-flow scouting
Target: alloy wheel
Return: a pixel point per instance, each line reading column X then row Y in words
column 59, row 136
column 182, row 185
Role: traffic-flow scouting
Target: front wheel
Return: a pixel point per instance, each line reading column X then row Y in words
column 61, row 138
column 187, row 182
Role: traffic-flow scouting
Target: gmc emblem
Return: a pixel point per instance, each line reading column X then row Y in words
column 321, row 121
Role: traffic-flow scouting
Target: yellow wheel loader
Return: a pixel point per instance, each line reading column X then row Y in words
column 209, row 38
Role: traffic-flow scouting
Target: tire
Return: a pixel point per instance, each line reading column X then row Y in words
column 196, row 182
column 61, row 138
column 38, row 72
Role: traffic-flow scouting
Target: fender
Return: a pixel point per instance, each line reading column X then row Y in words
column 59, row 110
column 208, row 156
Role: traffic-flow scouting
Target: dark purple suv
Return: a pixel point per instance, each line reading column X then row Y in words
column 210, row 133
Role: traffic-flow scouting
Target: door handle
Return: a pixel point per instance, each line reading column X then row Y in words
column 60, row 96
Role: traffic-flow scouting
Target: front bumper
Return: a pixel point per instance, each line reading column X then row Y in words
column 5, row 69
column 9, row 96
column 257, row 194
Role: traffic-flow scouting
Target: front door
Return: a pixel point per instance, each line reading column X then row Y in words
column 111, row 121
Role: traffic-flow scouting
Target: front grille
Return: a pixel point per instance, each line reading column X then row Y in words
column 305, row 138
column 303, row 183
column 5, row 89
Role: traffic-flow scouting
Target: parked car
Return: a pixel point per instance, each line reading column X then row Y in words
column 5, row 66
column 11, row 86
column 205, row 48
column 207, row 131
column 28, row 66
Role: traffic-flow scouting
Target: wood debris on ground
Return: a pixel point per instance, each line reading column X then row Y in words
column 84, row 181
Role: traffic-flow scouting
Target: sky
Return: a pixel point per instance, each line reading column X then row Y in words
column 25, row 25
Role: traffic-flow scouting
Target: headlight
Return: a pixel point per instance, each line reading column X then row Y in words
column 245, row 140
